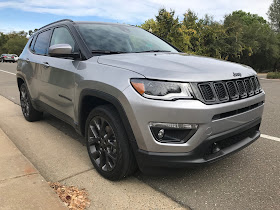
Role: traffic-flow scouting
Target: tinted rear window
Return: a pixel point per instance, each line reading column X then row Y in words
column 42, row 43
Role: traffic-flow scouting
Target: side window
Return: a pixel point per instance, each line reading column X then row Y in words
column 62, row 36
column 42, row 43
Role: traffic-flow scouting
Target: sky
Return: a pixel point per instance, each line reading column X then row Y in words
column 16, row 15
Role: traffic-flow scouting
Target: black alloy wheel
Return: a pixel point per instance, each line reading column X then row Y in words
column 102, row 144
column 24, row 101
column 108, row 145
column 28, row 111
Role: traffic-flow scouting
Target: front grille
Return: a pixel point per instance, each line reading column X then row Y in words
column 223, row 91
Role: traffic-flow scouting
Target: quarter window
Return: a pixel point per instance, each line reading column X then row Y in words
column 32, row 43
column 42, row 43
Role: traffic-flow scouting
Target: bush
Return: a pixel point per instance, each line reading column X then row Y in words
column 273, row 75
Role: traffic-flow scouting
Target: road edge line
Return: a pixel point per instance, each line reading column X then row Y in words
column 270, row 137
column 7, row 72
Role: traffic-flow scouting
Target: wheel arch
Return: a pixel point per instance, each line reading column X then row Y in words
column 20, row 81
column 89, row 99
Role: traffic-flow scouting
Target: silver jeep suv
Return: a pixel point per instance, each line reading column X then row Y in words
column 138, row 101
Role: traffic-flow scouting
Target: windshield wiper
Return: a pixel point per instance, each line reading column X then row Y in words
column 106, row 52
column 153, row 51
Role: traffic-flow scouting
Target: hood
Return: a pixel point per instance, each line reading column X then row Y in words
column 177, row 66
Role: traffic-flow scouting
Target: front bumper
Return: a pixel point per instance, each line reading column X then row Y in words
column 229, row 142
column 212, row 120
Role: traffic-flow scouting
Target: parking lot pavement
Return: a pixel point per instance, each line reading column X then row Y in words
column 250, row 179
column 271, row 120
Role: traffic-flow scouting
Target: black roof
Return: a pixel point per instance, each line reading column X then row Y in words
column 81, row 22
column 63, row 20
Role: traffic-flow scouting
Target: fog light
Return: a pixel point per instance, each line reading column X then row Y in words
column 173, row 125
column 161, row 133
column 172, row 132
column 215, row 148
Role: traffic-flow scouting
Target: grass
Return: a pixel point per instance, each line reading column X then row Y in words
column 273, row 75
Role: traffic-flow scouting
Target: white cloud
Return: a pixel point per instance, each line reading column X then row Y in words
column 137, row 11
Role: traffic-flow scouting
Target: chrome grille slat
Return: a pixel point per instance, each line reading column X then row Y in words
column 207, row 92
column 241, row 89
column 223, row 91
column 253, row 81
column 232, row 90
column 249, row 87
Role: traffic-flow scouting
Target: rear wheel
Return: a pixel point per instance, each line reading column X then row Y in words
column 28, row 111
column 108, row 145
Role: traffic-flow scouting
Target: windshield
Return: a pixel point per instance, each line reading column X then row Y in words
column 121, row 38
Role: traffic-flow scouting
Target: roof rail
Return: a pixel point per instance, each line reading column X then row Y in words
column 56, row 22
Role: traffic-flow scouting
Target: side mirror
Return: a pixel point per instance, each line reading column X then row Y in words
column 60, row 50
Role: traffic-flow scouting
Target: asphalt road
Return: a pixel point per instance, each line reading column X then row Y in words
column 249, row 179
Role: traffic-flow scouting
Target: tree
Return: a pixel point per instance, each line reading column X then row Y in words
column 13, row 43
column 274, row 15
column 251, row 41
column 168, row 27
column 212, row 39
column 30, row 32
column 242, row 37
column 3, row 40
column 191, row 28
column 149, row 25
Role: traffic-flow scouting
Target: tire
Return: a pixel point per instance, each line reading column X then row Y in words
column 107, row 144
column 28, row 111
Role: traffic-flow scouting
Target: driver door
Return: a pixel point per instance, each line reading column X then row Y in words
column 57, row 77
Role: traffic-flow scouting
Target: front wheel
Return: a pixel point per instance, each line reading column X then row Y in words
column 108, row 145
column 28, row 111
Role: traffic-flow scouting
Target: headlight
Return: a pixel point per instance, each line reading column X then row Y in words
column 162, row 90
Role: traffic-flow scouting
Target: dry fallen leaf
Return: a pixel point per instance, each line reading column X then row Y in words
column 74, row 198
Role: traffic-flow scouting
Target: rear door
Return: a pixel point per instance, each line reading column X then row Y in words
column 57, row 77
column 31, row 63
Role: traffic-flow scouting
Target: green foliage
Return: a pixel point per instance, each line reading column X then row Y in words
column 252, row 41
column 274, row 14
column 242, row 37
column 273, row 75
column 149, row 25
column 12, row 43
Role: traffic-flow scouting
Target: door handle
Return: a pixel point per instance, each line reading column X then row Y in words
column 27, row 60
column 46, row 65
